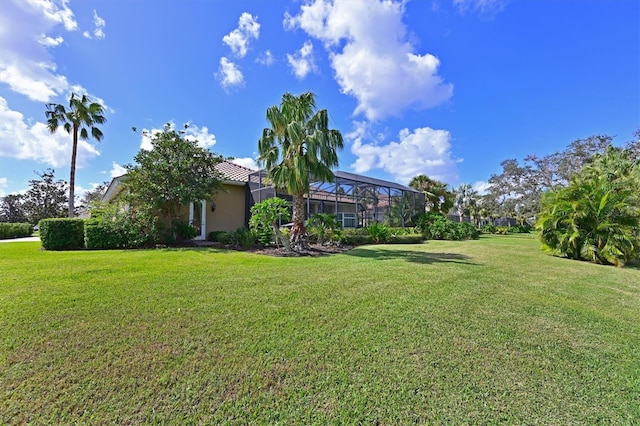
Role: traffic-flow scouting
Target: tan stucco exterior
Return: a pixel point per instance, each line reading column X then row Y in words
column 229, row 214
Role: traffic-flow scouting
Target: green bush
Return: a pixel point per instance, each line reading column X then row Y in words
column 488, row 228
column 215, row 236
column 114, row 228
column 379, row 233
column 15, row 230
column 434, row 226
column 62, row 233
column 185, row 231
column 323, row 227
column 406, row 239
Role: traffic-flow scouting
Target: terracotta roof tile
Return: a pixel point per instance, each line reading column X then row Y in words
column 234, row 172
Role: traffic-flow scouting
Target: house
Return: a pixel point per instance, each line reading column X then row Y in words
column 355, row 200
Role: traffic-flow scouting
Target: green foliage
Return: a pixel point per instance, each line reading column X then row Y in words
column 175, row 172
column 355, row 237
column 15, row 230
column 265, row 216
column 597, row 217
column 405, row 239
column 215, row 236
column 488, row 228
column 434, row 226
column 323, row 226
column 184, row 231
column 379, row 233
column 437, row 195
column 112, row 227
column 241, row 237
column 62, row 234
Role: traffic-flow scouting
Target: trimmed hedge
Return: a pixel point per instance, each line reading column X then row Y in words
column 15, row 230
column 62, row 234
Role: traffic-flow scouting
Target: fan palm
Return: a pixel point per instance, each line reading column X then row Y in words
column 298, row 147
column 80, row 120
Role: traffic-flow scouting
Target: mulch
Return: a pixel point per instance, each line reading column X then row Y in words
column 312, row 250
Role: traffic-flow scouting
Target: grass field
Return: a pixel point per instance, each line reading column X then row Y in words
column 480, row 332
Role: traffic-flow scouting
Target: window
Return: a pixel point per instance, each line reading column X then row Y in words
column 348, row 220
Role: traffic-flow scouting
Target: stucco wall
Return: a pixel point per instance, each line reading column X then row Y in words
column 230, row 209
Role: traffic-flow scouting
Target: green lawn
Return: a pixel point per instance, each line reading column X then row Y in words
column 482, row 332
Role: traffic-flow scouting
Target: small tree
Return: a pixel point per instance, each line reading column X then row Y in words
column 174, row 173
column 265, row 217
column 12, row 209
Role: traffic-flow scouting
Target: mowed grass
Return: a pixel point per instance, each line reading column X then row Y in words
column 481, row 332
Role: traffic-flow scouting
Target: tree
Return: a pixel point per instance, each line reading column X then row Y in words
column 298, row 147
column 93, row 196
column 265, row 217
column 438, row 198
column 596, row 217
column 465, row 198
column 174, row 173
column 12, row 209
column 80, row 120
column 46, row 197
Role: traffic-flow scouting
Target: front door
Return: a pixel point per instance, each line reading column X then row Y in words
column 198, row 218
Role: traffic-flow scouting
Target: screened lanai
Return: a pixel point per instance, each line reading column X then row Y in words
column 355, row 200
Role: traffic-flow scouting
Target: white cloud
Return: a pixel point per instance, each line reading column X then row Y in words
column 247, row 162
column 238, row 39
column 27, row 30
column 4, row 183
column 22, row 140
column 302, row 62
column 481, row 187
column 98, row 27
column 423, row 151
column 116, row 170
column 371, row 55
column 201, row 134
column 482, row 7
column 229, row 74
column 266, row 58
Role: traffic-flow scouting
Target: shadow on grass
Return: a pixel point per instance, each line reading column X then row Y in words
column 410, row 256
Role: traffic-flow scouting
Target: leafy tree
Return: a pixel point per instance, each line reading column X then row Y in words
column 174, row 173
column 596, row 217
column 46, row 197
column 265, row 216
column 12, row 209
column 298, row 147
column 80, row 120
column 437, row 195
column 93, row 196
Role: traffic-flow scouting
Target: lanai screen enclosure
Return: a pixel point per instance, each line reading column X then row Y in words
column 355, row 200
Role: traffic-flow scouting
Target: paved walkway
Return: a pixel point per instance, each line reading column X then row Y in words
column 19, row 240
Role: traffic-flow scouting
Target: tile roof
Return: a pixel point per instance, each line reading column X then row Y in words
column 234, row 172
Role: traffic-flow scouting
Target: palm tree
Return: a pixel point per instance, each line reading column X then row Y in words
column 298, row 147
column 465, row 198
column 80, row 119
column 436, row 193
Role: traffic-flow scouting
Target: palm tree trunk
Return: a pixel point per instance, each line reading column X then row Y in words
column 298, row 231
column 72, row 178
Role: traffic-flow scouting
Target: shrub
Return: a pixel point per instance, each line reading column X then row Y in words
column 185, row 231
column 62, row 233
column 379, row 232
column 406, row 239
column 15, row 230
column 215, row 235
column 113, row 228
column 489, row 228
column 323, row 226
column 265, row 217
column 435, row 226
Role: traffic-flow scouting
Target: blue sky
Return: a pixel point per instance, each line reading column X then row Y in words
column 447, row 88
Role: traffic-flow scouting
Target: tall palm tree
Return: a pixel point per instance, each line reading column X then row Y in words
column 298, row 147
column 80, row 119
